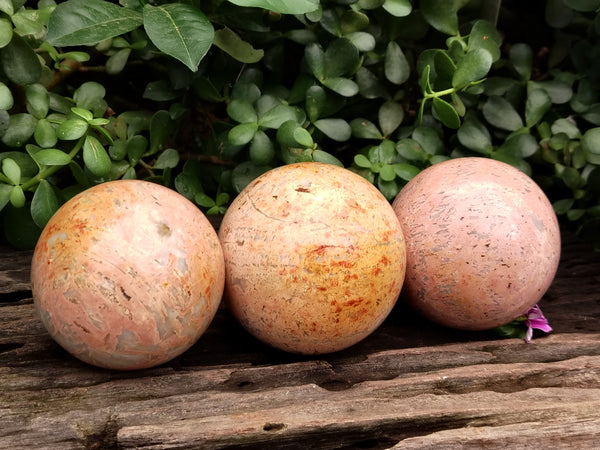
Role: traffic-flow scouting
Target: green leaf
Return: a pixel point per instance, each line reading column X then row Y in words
column 6, row 6
column 429, row 140
column 95, row 157
column 38, row 101
column 72, row 129
column 82, row 113
column 519, row 146
column 6, row 97
column 316, row 100
column 445, row 68
column 243, row 133
column 343, row 86
column 446, row 113
column 521, row 57
column 475, row 136
column 246, row 90
column 162, row 127
column 244, row 173
column 352, row 21
column 341, row 58
column 20, row 230
column 472, row 67
column 204, row 200
column 21, row 127
column 287, row 133
column 242, row 111
column 537, row 105
column 369, row 85
column 118, row 150
column 160, row 91
column 390, row 115
column 370, row 4
column 567, row 126
column 389, row 189
column 275, row 116
column 281, row 6
column 337, row 129
column 441, row 15
column 590, row 143
column 168, row 159
column 398, row 8
column 45, row 134
column 6, row 32
column 12, row 171
column 557, row 14
column 5, row 191
column 303, row 137
column 558, row 91
column 411, row 149
column 89, row 95
column 17, row 197
column 28, row 22
column 501, row 114
column 188, row 184
column 483, row 35
column 562, row 206
column 406, row 171
column 228, row 41
column 117, row 62
column 387, row 173
column 27, row 165
column 396, row 67
column 362, row 161
column 44, row 203
column 179, row 30
column 365, row 129
column 51, row 157
column 326, row 158
column 572, row 178
column 583, row 5
column 87, row 22
column 384, row 153
column 262, row 150
column 76, row 56
column 19, row 62
column 136, row 147
column 365, row 42
column 315, row 60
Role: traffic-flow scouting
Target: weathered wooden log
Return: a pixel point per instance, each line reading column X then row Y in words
column 411, row 384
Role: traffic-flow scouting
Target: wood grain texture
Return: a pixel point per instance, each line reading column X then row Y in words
column 409, row 385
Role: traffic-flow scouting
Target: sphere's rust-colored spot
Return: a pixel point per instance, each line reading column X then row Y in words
column 322, row 257
column 483, row 242
column 127, row 275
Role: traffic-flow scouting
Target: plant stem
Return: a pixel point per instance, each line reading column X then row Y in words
column 440, row 93
column 51, row 170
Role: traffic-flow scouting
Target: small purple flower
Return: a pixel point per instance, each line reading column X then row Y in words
column 534, row 318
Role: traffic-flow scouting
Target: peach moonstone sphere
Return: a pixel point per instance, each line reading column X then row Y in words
column 483, row 242
column 314, row 257
column 127, row 275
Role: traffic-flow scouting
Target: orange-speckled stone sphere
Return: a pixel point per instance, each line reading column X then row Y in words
column 483, row 242
column 314, row 258
column 127, row 275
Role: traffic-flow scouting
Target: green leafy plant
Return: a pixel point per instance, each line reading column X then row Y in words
column 204, row 96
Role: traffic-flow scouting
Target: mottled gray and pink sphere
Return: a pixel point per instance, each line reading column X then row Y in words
column 482, row 239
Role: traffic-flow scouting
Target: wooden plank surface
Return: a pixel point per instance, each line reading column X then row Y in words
column 411, row 384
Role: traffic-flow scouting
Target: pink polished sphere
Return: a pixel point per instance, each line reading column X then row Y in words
column 127, row 275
